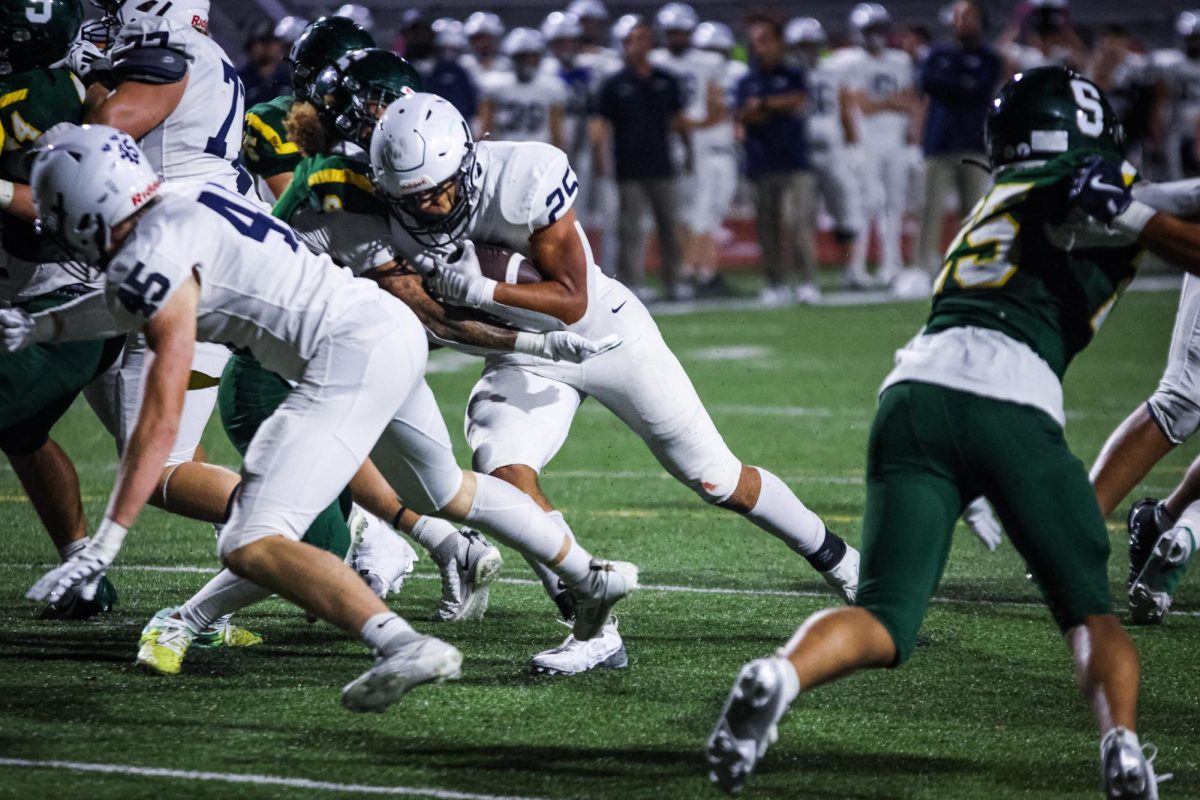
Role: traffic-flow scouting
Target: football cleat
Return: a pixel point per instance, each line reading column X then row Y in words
column 1147, row 520
column 1150, row 595
column 607, row 582
column 574, row 656
column 381, row 557
column 72, row 606
column 466, row 580
column 748, row 723
column 844, row 576
column 223, row 633
column 164, row 643
column 1127, row 770
column 424, row 659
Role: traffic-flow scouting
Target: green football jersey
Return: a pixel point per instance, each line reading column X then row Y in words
column 1017, row 266
column 30, row 103
column 266, row 150
column 330, row 183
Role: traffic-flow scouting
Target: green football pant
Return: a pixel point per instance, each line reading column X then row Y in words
column 39, row 384
column 934, row 449
column 248, row 395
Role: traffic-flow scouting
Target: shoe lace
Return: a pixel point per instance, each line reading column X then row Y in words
column 1150, row 752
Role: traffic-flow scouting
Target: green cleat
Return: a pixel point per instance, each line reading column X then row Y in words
column 1150, row 595
column 164, row 643
column 225, row 634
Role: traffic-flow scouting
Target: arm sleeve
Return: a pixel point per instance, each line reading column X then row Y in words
column 87, row 318
column 1181, row 198
column 360, row 242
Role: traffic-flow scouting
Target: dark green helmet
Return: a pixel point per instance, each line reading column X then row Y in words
column 36, row 33
column 352, row 93
column 1046, row 112
column 323, row 42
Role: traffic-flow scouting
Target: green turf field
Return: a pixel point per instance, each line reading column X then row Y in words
column 986, row 709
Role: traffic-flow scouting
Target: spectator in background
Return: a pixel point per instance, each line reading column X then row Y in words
column 959, row 79
column 1047, row 34
column 444, row 75
column 264, row 74
column 416, row 39
column 527, row 104
column 770, row 99
column 1134, row 90
column 638, row 110
column 484, row 61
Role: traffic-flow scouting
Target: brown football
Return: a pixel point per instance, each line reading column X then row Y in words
column 504, row 265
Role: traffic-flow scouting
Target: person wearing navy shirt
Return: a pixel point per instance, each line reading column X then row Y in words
column 770, row 100
column 960, row 79
column 638, row 110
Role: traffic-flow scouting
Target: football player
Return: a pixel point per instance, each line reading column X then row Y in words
column 175, row 261
column 485, row 62
column 700, row 75
column 38, row 385
column 445, row 191
column 1180, row 69
column 267, row 153
column 526, row 104
column 832, row 130
column 975, row 404
column 882, row 82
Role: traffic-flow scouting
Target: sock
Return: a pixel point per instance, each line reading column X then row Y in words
column 511, row 516
column 1190, row 518
column 221, row 596
column 553, row 585
column 67, row 550
column 386, row 631
column 430, row 532
column 780, row 513
column 791, row 681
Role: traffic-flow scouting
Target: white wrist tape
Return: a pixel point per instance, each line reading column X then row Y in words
column 533, row 344
column 1133, row 219
column 109, row 537
column 8, row 190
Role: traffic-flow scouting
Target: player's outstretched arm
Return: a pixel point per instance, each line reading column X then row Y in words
column 87, row 318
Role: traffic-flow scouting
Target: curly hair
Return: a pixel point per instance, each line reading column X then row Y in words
column 306, row 129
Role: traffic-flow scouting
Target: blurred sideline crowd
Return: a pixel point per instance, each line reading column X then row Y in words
column 848, row 144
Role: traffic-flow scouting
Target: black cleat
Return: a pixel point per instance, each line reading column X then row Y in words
column 1147, row 521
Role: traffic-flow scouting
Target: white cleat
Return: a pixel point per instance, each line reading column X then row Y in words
column 606, row 584
column 1150, row 594
column 748, row 723
column 381, row 557
column 574, row 656
column 426, row 659
column 466, row 580
column 1127, row 771
column 844, row 576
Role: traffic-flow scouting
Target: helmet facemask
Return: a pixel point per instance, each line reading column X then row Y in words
column 435, row 229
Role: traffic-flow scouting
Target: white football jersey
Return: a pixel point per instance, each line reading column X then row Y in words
column 202, row 137
column 722, row 137
column 523, row 109
column 825, row 82
column 485, row 75
column 695, row 70
column 879, row 76
column 260, row 288
column 523, row 187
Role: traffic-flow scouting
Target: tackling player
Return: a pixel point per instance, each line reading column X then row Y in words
column 975, row 404
column 446, row 191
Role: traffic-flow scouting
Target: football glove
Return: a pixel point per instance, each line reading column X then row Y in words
column 84, row 570
column 983, row 523
column 1099, row 189
column 89, row 63
column 564, row 346
column 17, row 329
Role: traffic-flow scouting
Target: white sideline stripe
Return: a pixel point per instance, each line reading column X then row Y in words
column 649, row 587
column 257, row 780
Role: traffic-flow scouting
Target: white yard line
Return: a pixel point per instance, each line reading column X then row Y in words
column 646, row 587
column 256, row 780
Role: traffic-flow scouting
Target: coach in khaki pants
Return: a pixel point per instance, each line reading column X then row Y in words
column 960, row 79
column 770, row 99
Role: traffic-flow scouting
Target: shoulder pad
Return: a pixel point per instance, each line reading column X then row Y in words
column 156, row 65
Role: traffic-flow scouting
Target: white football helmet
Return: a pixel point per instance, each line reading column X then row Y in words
column 361, row 15
column 713, row 36
column 483, row 22
column 522, row 41
column 589, row 9
column 560, row 25
column 1187, row 24
column 85, row 180
column 448, row 34
column 289, row 29
column 804, row 30
column 869, row 15
column 421, row 148
column 622, row 27
column 188, row 13
column 676, row 17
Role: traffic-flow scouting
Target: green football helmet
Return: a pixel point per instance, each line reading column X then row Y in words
column 323, row 42
column 352, row 93
column 36, row 33
column 1048, row 111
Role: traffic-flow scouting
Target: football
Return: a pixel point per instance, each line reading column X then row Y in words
column 504, row 265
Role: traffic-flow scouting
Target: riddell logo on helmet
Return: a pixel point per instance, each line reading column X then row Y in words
column 147, row 193
column 200, row 23
column 415, row 185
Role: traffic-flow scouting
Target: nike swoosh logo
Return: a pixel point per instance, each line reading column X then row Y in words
column 618, row 308
column 1101, row 186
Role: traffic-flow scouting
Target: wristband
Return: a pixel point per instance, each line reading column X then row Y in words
column 1133, row 219
column 45, row 328
column 481, row 293
column 532, row 344
column 8, row 190
column 109, row 537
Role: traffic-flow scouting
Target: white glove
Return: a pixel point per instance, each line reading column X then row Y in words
column 983, row 523
column 84, row 569
column 564, row 345
column 461, row 258
column 460, row 289
column 19, row 329
column 87, row 61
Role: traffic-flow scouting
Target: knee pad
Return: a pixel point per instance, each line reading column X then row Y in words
column 718, row 480
column 1177, row 417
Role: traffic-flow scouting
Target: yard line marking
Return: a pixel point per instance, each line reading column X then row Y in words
column 647, row 587
column 256, row 780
